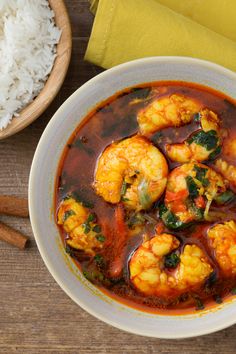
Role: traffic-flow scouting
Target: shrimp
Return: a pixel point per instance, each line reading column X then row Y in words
column 190, row 190
column 202, row 145
column 167, row 111
column 133, row 171
column 222, row 239
column 227, row 170
column 149, row 267
column 84, row 234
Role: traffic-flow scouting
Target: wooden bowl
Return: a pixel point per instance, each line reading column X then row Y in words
column 55, row 80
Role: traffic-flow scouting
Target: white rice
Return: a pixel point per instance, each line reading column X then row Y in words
column 28, row 38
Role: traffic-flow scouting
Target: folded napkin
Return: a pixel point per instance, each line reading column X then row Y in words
column 218, row 15
column 124, row 30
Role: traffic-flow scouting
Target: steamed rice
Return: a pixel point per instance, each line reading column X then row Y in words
column 28, row 38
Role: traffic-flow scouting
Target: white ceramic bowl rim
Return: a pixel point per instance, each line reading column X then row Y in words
column 217, row 322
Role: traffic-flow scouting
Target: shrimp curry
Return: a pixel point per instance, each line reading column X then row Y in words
column 146, row 197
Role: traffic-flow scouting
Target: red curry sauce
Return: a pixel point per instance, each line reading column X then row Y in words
column 114, row 120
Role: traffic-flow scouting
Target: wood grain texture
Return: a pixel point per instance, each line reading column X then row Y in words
column 36, row 316
column 56, row 77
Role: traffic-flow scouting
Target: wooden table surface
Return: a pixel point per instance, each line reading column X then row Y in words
column 36, row 316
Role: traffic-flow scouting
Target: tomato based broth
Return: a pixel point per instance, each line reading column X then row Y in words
column 114, row 120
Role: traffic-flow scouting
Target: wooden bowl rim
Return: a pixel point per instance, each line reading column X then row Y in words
column 35, row 108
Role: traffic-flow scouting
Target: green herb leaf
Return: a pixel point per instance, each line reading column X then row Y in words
column 198, row 212
column 69, row 250
column 224, row 197
column 141, row 92
column 192, row 187
column 97, row 228
column 87, row 274
column 99, row 259
column 201, row 175
column 170, row 219
column 199, row 304
column 197, row 117
column 210, row 282
column 208, row 139
column 79, row 199
column 123, row 188
column 67, row 214
column 143, row 195
column 91, row 218
column 123, row 199
column 100, row 238
column 215, row 153
column 171, row 260
column 86, row 227
column 93, row 275
column 233, row 291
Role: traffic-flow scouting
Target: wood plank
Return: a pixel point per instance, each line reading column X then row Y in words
column 36, row 316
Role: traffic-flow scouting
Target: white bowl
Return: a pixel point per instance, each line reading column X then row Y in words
column 41, row 194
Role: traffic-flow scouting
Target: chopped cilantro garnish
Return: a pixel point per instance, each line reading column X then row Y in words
column 123, row 188
column 192, row 187
column 97, row 228
column 225, row 197
column 69, row 250
column 233, row 291
column 215, row 153
column 79, row 199
column 210, row 282
column 87, row 275
column 123, row 199
column 99, row 259
column 93, row 275
column 67, row 214
column 201, row 175
column 100, row 238
column 171, row 260
column 86, row 227
column 199, row 304
column 208, row 139
column 140, row 92
column 143, row 195
column 91, row 218
column 197, row 117
column 198, row 212
column 170, row 219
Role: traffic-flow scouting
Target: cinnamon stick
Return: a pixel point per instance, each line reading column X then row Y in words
column 12, row 236
column 10, row 205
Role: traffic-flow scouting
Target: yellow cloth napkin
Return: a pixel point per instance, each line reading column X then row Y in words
column 218, row 15
column 129, row 29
